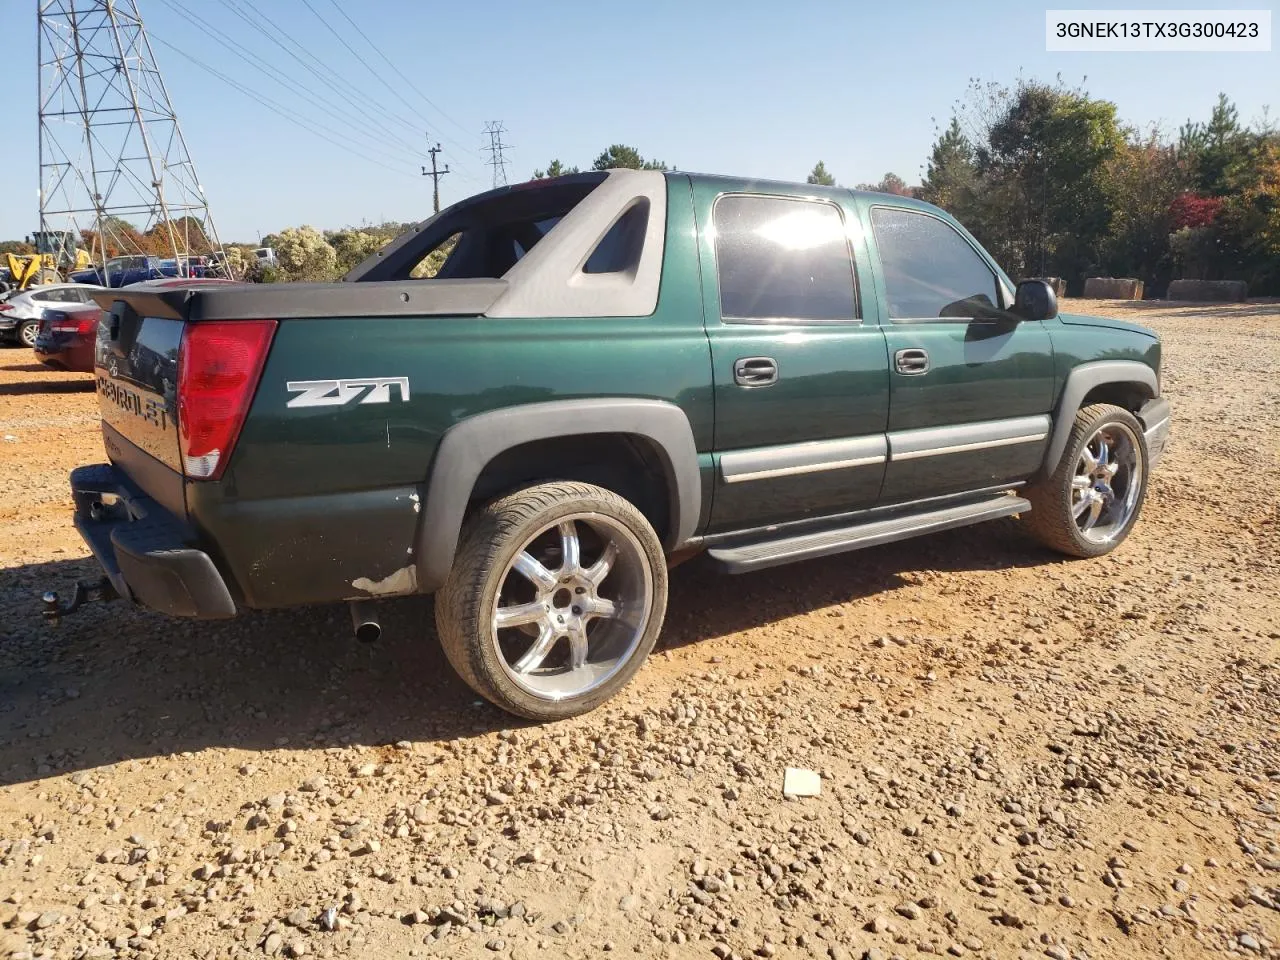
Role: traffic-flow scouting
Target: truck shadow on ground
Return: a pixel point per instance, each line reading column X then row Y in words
column 114, row 683
column 24, row 387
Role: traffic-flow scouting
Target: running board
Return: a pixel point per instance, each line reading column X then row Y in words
column 758, row 554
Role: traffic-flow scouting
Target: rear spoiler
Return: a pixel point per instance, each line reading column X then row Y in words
column 302, row 301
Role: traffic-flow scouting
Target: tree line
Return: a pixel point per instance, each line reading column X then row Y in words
column 121, row 238
column 1052, row 184
column 1049, row 181
column 1045, row 176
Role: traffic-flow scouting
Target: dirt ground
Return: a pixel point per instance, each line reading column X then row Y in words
column 1020, row 756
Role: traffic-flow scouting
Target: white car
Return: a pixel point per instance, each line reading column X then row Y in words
column 20, row 313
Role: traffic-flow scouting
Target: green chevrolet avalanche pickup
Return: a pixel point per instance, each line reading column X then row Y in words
column 611, row 370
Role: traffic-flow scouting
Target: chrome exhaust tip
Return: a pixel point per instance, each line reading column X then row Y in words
column 364, row 621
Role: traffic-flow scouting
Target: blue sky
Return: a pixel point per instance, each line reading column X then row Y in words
column 744, row 87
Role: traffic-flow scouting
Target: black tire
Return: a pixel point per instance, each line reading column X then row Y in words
column 1050, row 520
column 27, row 332
column 489, row 544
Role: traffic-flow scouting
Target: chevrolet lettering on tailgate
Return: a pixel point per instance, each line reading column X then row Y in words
column 150, row 409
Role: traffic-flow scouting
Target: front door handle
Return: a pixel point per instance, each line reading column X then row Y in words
column 755, row 372
column 911, row 362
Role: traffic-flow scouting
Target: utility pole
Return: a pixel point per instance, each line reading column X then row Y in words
column 435, row 176
column 497, row 159
column 112, row 157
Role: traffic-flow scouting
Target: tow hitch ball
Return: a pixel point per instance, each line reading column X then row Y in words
column 86, row 591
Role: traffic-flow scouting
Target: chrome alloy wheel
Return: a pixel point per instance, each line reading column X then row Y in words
column 28, row 333
column 572, row 606
column 1107, row 483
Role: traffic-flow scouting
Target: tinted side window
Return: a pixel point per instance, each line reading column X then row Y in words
column 782, row 259
column 930, row 270
column 619, row 250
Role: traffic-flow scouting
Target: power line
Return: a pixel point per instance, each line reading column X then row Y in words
column 497, row 159
column 334, row 138
column 382, row 80
column 364, row 61
column 284, row 80
column 269, row 29
column 412, row 86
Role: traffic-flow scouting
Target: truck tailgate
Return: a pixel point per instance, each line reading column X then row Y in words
column 136, row 355
column 136, row 373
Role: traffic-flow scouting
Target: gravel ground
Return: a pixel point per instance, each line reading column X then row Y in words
column 1020, row 756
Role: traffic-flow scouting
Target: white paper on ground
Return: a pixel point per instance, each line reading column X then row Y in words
column 801, row 783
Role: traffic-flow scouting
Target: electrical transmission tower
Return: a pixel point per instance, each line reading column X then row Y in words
column 112, row 156
column 497, row 159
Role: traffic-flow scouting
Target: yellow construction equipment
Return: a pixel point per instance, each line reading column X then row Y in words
column 32, row 270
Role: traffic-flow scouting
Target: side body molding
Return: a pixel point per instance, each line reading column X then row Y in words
column 468, row 447
column 1080, row 381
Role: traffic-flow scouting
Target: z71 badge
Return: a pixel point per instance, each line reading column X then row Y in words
column 333, row 393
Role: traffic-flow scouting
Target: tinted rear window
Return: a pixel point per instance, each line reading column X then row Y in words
column 783, row 259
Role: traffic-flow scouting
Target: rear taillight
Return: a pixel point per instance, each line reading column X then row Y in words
column 218, row 371
column 80, row 323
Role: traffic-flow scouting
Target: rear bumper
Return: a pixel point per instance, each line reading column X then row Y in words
column 1156, row 417
column 65, row 354
column 144, row 550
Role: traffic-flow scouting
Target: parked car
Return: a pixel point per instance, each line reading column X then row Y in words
column 67, row 336
column 20, row 312
column 125, row 271
column 194, row 267
column 610, row 370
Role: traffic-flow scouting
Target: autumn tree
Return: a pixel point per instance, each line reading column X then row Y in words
column 1143, row 186
column 186, row 235
column 119, row 238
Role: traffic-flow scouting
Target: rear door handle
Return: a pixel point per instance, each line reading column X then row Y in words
column 911, row 362
column 755, row 372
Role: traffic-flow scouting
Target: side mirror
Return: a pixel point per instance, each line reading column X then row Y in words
column 1035, row 300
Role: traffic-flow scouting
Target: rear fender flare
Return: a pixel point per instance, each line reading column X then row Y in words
column 1080, row 381
column 471, row 444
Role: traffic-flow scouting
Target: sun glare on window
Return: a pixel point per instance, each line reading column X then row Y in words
column 802, row 230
